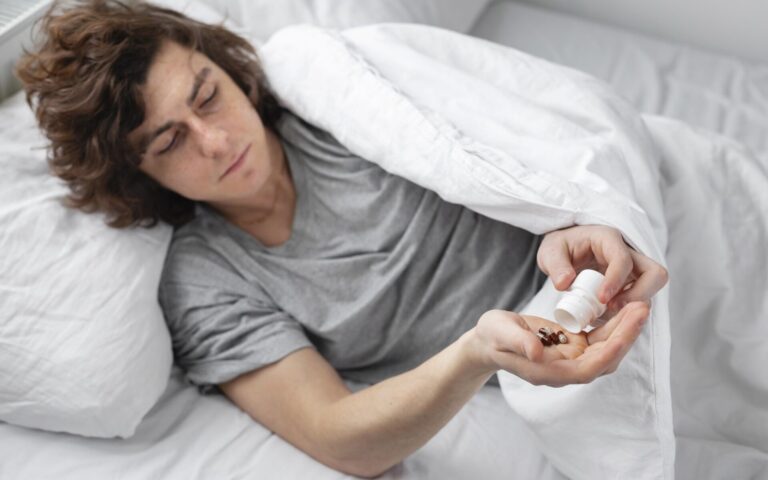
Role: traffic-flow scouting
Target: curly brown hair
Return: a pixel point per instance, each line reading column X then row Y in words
column 83, row 81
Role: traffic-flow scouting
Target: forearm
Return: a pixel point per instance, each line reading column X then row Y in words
column 375, row 428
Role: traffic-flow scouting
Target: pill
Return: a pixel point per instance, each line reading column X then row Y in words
column 546, row 331
column 553, row 338
column 544, row 339
column 562, row 337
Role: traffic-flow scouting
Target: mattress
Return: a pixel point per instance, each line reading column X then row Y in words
column 188, row 435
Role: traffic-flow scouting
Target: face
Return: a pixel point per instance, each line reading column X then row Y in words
column 201, row 137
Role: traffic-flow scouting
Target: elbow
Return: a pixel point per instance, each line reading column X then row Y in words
column 348, row 451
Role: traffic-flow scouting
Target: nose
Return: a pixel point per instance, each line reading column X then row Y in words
column 212, row 139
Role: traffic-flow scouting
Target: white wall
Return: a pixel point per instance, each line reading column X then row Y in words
column 737, row 27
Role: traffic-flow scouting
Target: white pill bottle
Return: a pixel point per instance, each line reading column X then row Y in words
column 579, row 306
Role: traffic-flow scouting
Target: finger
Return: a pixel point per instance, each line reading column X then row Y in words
column 602, row 333
column 610, row 366
column 583, row 369
column 616, row 254
column 513, row 335
column 613, row 307
column 594, row 362
column 607, row 358
column 604, row 357
column 651, row 277
column 594, row 347
column 598, row 361
column 625, row 334
column 618, row 303
column 565, row 372
column 554, row 259
column 571, row 351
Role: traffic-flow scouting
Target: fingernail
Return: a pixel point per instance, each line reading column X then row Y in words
column 562, row 278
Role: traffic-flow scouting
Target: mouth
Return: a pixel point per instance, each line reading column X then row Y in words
column 237, row 163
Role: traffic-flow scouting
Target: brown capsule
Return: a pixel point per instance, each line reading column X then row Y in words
column 562, row 337
column 554, row 338
column 546, row 331
column 544, row 339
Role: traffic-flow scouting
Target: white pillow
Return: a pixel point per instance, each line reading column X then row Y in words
column 261, row 18
column 83, row 345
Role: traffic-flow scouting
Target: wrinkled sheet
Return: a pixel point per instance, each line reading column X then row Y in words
column 192, row 436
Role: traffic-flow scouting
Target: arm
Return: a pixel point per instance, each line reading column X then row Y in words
column 366, row 432
column 302, row 398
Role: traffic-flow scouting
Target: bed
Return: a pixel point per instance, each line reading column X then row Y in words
column 188, row 435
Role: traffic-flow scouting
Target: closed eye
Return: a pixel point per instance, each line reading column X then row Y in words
column 207, row 100
column 173, row 140
column 170, row 145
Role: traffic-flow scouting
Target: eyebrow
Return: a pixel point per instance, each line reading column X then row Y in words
column 199, row 79
column 146, row 139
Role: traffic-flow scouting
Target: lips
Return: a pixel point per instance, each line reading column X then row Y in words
column 237, row 163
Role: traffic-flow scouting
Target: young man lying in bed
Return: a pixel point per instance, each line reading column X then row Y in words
column 296, row 263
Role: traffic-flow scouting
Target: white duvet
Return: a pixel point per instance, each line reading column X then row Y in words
column 543, row 147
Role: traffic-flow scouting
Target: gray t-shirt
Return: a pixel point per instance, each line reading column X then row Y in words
column 378, row 275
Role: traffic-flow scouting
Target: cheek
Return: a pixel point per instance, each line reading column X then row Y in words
column 248, row 117
column 186, row 181
column 194, row 181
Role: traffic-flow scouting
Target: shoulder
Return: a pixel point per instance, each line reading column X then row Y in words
column 308, row 137
column 196, row 255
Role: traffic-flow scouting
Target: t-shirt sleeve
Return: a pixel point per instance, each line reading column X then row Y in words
column 220, row 326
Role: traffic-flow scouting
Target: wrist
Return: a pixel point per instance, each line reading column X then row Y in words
column 475, row 358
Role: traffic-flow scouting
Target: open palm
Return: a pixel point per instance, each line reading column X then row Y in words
column 586, row 356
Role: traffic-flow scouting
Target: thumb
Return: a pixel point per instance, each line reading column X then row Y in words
column 514, row 335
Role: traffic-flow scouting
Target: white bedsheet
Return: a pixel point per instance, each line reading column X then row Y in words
column 189, row 436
